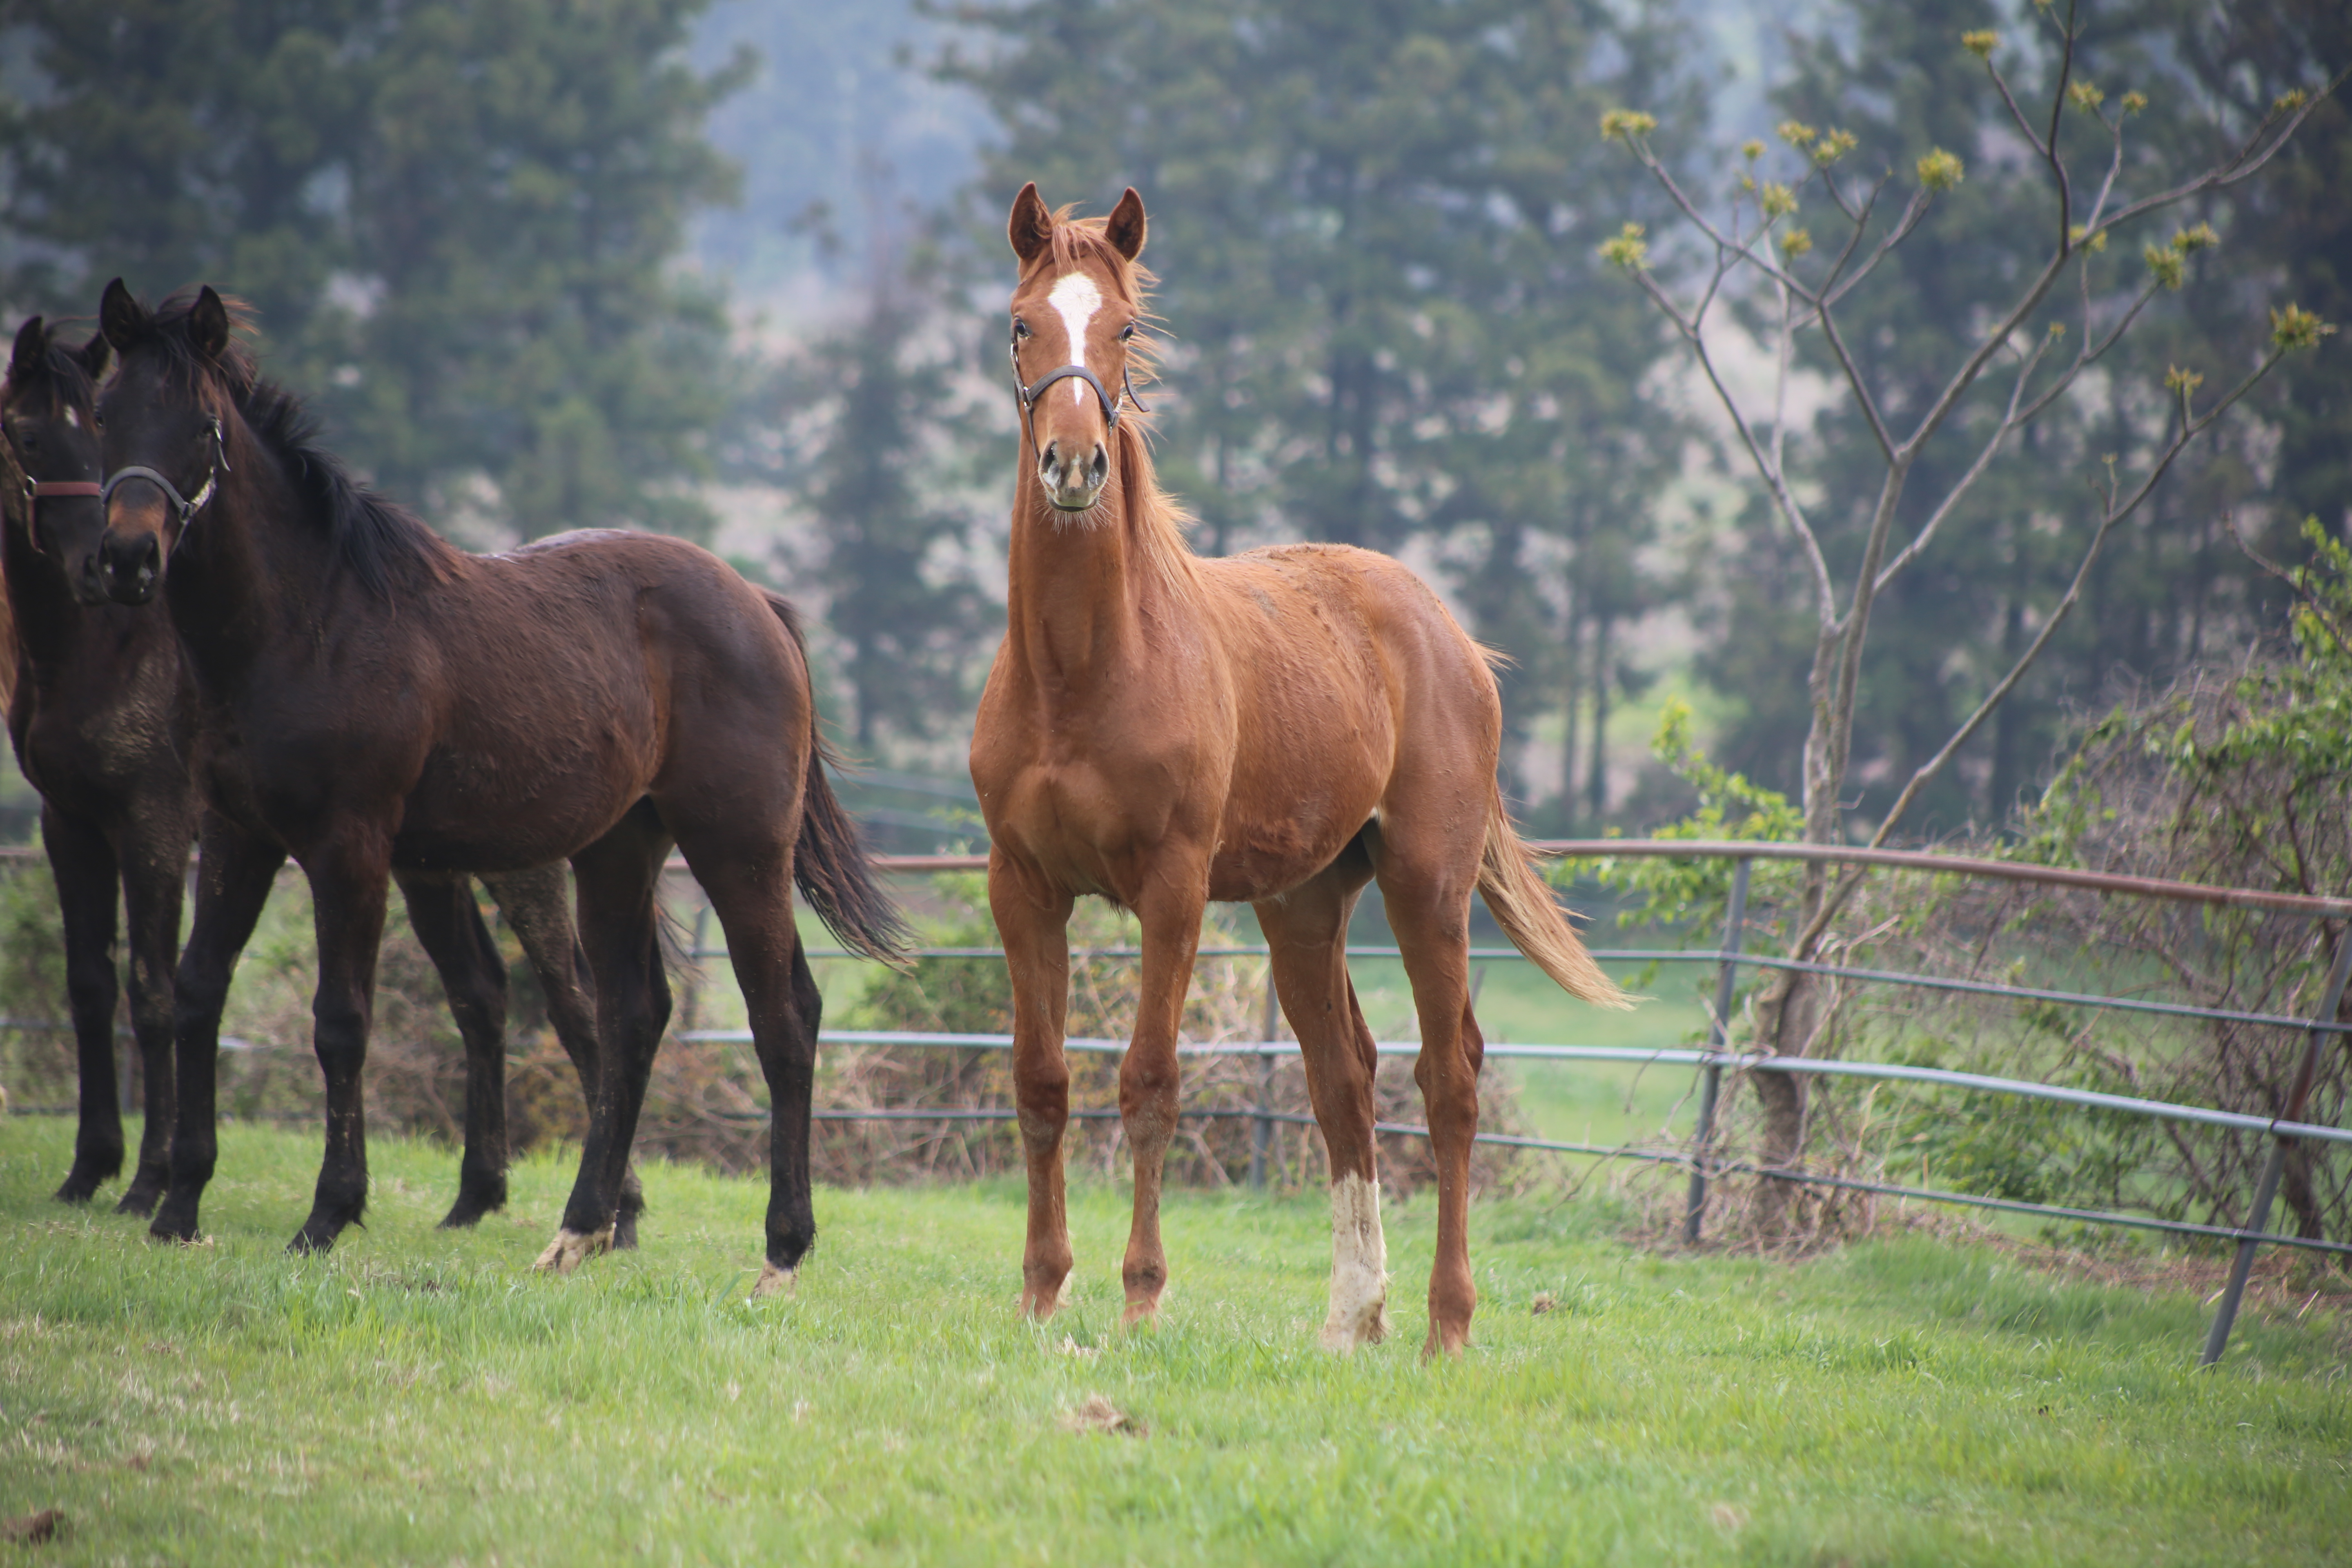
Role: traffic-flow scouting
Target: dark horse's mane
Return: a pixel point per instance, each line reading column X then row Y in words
column 377, row 540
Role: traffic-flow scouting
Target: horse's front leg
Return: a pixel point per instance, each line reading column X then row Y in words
column 1034, row 920
column 1149, row 1076
column 155, row 876
column 350, row 876
column 234, row 874
column 83, row 863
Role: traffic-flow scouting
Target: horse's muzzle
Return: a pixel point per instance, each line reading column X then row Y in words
column 128, row 567
column 1073, row 483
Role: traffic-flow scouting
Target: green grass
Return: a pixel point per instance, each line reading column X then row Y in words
column 420, row 1396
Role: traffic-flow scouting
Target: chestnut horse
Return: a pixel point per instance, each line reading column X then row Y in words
column 1278, row 728
column 102, row 724
column 371, row 697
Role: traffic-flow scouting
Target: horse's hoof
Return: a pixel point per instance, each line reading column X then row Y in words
column 1442, row 1343
column 174, row 1222
column 1039, row 1303
column 139, row 1199
column 1146, row 1313
column 310, row 1242
column 468, row 1210
column 81, row 1185
column 775, row 1281
column 1356, row 1323
column 570, row 1249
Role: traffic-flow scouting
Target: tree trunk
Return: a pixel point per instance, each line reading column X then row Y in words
column 1572, row 702
column 1596, row 783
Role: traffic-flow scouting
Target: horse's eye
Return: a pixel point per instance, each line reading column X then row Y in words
column 1127, row 332
column 1020, row 329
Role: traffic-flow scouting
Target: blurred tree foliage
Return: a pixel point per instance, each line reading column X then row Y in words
column 867, row 423
column 1376, row 226
column 456, row 217
column 2171, row 591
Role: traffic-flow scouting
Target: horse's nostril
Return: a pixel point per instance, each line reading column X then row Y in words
column 1101, row 465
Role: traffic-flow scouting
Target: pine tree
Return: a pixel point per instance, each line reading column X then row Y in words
column 1376, row 225
column 457, row 222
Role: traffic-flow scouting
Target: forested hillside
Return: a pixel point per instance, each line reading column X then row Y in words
column 556, row 263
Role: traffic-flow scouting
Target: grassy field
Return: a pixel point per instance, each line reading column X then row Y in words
column 420, row 1396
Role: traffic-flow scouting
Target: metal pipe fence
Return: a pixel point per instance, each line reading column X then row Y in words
column 1710, row 1062
column 1700, row 1158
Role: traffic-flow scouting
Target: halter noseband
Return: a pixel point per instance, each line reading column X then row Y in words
column 1028, row 394
column 185, row 506
column 39, row 490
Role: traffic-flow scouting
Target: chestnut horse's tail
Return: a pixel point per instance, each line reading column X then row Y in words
column 1533, row 919
column 829, row 864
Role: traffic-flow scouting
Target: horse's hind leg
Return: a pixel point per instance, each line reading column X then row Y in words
column 83, row 863
column 749, row 885
column 448, row 926
column 1426, row 880
column 1307, row 932
column 155, row 874
column 537, row 908
column 1034, row 917
column 618, row 877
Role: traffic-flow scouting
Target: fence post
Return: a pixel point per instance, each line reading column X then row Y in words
column 1262, row 1126
column 1711, row 1085
column 2267, row 1189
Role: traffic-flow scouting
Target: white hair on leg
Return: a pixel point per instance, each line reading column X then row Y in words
column 1360, row 1267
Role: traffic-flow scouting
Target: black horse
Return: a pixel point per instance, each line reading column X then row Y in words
column 102, row 718
column 370, row 699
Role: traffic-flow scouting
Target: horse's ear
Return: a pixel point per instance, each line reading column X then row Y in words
column 94, row 356
column 32, row 341
column 1030, row 228
column 1124, row 229
column 208, row 324
column 121, row 319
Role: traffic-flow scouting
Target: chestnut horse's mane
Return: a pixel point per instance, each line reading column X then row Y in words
column 1157, row 520
column 378, row 542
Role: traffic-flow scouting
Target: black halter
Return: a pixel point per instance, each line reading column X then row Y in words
column 1028, row 394
column 185, row 506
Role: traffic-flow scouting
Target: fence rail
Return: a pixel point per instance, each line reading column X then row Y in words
column 2283, row 1131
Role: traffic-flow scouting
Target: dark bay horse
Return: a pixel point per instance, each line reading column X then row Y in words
column 99, row 721
column 371, row 697
column 1281, row 728
column 102, row 722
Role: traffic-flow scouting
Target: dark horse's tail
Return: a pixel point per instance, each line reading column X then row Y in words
column 829, row 864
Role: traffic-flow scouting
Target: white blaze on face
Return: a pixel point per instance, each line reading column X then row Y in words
column 73, row 419
column 1077, row 299
column 1360, row 1267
